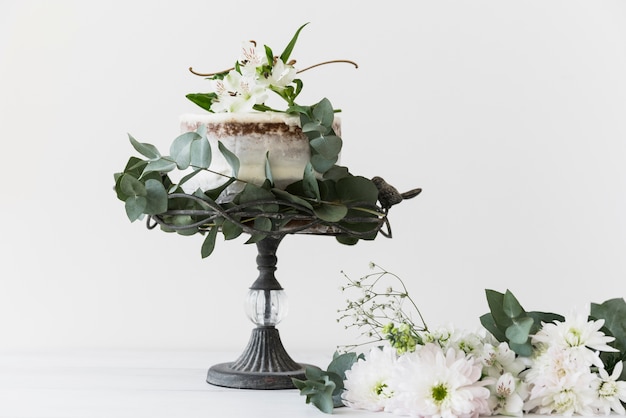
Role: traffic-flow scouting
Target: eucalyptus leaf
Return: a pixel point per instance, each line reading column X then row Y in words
column 130, row 186
column 147, row 150
column 180, row 150
column 336, row 172
column 328, row 146
column 231, row 230
column 200, row 152
column 231, row 158
column 135, row 207
column 347, row 239
column 511, row 305
column 518, row 333
column 161, row 165
column 320, row 163
column 284, row 195
column 208, row 245
column 252, row 193
column 324, row 112
column 189, row 176
column 357, row 189
column 156, row 197
column 331, row 212
column 309, row 183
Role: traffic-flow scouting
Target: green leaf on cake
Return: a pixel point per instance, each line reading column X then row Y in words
column 320, row 163
column 289, row 48
column 268, row 168
column 204, row 100
column 231, row 158
column 309, row 183
column 200, row 152
column 328, row 146
column 180, row 150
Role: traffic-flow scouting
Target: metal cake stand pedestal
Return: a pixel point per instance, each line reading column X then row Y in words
column 264, row 363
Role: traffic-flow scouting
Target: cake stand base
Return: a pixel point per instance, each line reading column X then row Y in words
column 264, row 364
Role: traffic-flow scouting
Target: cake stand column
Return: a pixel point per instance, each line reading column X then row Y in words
column 264, row 363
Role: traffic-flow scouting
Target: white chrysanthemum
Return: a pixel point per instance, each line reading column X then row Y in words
column 367, row 382
column 432, row 383
column 576, row 333
column 611, row 392
column 561, row 382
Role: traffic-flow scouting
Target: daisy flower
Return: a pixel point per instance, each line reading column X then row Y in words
column 367, row 383
column 576, row 333
column 611, row 392
column 432, row 383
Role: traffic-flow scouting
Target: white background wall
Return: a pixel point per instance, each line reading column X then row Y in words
column 510, row 115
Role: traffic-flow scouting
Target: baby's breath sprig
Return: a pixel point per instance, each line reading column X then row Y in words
column 378, row 310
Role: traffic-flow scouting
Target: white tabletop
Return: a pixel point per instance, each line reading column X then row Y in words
column 85, row 384
column 104, row 384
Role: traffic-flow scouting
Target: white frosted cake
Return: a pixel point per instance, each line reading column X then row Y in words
column 252, row 137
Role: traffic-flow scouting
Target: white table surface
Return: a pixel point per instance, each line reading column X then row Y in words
column 104, row 384
column 85, row 384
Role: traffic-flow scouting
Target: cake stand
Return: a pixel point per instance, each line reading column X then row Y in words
column 265, row 363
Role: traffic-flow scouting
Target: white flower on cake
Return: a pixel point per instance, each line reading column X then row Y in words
column 238, row 93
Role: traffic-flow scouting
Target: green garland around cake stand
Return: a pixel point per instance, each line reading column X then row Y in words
column 264, row 363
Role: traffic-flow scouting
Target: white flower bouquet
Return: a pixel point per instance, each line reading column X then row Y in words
column 519, row 362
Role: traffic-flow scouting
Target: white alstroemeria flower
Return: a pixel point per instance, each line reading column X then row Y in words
column 237, row 93
column 367, row 382
column 282, row 74
column 611, row 392
column 500, row 359
column 507, row 396
column 578, row 334
column 250, row 60
column 432, row 383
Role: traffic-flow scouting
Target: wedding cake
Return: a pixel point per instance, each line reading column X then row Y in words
column 260, row 140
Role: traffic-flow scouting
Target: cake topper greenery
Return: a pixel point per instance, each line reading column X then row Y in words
column 351, row 207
